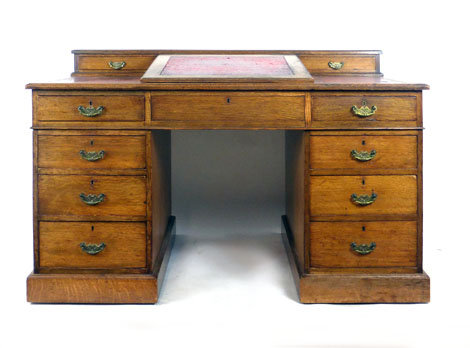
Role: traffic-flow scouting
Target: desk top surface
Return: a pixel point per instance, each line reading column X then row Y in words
column 339, row 83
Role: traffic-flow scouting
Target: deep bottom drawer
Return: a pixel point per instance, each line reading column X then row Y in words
column 92, row 245
column 376, row 244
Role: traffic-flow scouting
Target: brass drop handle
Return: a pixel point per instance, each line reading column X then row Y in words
column 335, row 65
column 117, row 65
column 92, row 249
column 364, row 110
column 363, row 199
column 90, row 111
column 92, row 199
column 363, row 156
column 91, row 156
column 363, row 249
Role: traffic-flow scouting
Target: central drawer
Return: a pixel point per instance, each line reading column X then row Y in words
column 91, row 151
column 92, row 245
column 363, row 195
column 100, row 197
column 229, row 109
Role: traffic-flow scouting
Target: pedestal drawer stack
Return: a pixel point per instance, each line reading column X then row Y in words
column 363, row 201
column 91, row 201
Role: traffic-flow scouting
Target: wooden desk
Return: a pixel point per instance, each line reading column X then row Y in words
column 103, row 227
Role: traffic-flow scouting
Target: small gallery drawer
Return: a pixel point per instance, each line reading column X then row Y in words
column 230, row 109
column 341, row 64
column 91, row 151
column 363, row 244
column 371, row 108
column 114, row 63
column 99, row 197
column 92, row 244
column 363, row 195
column 92, row 107
column 363, row 152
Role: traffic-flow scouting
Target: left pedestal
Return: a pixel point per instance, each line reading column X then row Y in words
column 102, row 225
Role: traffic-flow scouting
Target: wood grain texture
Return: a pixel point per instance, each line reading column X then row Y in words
column 91, row 288
column 394, row 109
column 331, row 195
column 295, row 189
column 365, row 288
column 59, row 244
column 322, row 83
column 125, row 197
column 160, row 145
column 396, row 244
column 355, row 288
column 352, row 64
column 63, row 151
column 392, row 151
column 100, row 63
column 229, row 109
column 63, row 107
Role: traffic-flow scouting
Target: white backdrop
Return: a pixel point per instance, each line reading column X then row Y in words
column 234, row 290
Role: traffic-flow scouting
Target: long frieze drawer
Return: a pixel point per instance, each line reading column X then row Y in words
column 100, row 197
column 363, row 195
column 363, row 244
column 89, row 107
column 92, row 245
column 114, row 63
column 366, row 109
column 341, row 64
column 364, row 152
column 230, row 109
column 91, row 151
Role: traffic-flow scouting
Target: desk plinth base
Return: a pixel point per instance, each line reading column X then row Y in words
column 103, row 288
column 355, row 288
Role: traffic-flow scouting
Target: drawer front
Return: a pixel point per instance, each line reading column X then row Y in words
column 365, row 109
column 104, row 107
column 230, row 109
column 91, row 151
column 363, row 152
column 114, row 63
column 341, row 64
column 377, row 244
column 64, row 197
column 60, row 244
column 332, row 195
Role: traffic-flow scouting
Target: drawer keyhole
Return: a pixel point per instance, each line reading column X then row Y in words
column 363, row 228
column 363, row 181
column 92, row 228
column 363, row 142
column 228, row 100
column 92, row 182
column 91, row 142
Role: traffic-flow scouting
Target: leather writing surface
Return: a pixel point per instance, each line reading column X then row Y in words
column 226, row 65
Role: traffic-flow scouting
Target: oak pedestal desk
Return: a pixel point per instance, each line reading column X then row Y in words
column 103, row 227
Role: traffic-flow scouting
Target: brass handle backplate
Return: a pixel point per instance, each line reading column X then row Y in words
column 92, row 249
column 117, row 65
column 363, row 249
column 363, row 156
column 364, row 110
column 92, row 199
column 335, row 65
column 364, row 199
column 91, row 156
column 90, row 111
